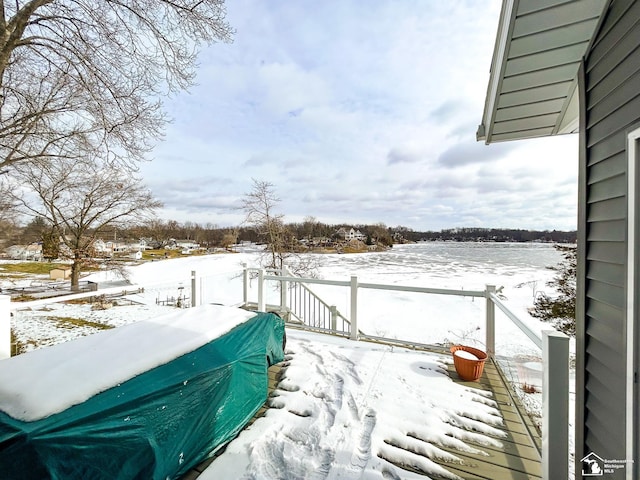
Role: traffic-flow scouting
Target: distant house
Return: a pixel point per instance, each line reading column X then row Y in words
column 350, row 234
column 145, row 244
column 31, row 252
column 186, row 247
column 563, row 67
column 100, row 248
column 118, row 247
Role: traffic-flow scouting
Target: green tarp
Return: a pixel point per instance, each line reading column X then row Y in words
column 156, row 425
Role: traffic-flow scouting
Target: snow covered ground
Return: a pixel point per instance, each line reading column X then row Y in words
column 352, row 410
column 347, row 409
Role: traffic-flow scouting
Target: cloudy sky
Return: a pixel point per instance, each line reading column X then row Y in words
column 358, row 112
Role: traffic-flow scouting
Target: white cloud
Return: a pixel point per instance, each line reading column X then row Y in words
column 357, row 115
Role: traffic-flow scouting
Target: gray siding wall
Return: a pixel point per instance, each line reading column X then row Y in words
column 612, row 84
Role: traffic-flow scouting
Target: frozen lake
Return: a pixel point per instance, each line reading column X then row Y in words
column 520, row 269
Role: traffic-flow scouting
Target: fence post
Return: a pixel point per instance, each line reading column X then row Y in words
column 490, row 324
column 245, row 284
column 334, row 318
column 261, row 302
column 5, row 326
column 555, row 405
column 354, row 308
column 193, row 289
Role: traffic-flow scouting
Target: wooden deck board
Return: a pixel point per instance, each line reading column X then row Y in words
column 517, row 459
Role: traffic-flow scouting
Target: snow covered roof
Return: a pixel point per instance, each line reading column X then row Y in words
column 532, row 88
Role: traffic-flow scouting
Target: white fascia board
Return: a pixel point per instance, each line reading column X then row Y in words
column 498, row 64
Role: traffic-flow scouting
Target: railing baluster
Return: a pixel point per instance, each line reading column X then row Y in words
column 334, row 318
column 193, row 288
column 5, row 326
column 354, row 308
column 490, row 328
column 245, row 284
column 261, row 300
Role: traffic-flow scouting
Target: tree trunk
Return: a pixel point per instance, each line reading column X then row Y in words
column 75, row 273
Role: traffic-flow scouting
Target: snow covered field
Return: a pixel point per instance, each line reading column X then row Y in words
column 347, row 409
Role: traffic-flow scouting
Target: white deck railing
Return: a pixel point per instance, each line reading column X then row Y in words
column 554, row 347
column 302, row 307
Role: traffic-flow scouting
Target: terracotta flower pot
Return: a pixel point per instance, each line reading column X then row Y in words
column 468, row 369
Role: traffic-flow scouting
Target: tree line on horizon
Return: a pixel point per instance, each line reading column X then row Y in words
column 212, row 235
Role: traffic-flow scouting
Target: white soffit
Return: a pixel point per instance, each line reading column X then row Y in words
column 532, row 87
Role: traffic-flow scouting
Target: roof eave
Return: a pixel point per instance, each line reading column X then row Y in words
column 505, row 26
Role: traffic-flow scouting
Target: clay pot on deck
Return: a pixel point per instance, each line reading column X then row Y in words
column 469, row 362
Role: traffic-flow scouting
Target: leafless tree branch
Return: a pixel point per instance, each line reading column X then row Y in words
column 96, row 71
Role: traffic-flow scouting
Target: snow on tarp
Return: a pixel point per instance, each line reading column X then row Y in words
column 147, row 400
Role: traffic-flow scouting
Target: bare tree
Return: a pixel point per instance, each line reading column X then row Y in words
column 80, row 76
column 259, row 207
column 282, row 246
column 82, row 199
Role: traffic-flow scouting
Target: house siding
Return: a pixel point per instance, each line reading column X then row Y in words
column 611, row 108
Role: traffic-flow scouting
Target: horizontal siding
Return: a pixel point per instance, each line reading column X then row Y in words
column 605, row 293
column 626, row 74
column 614, row 145
column 602, row 438
column 608, row 209
column 599, row 406
column 607, row 231
column 611, row 252
column 625, row 116
column 612, row 69
column 609, row 50
column 608, row 167
column 603, row 310
column 606, row 377
column 625, row 94
column 609, row 273
column 612, row 187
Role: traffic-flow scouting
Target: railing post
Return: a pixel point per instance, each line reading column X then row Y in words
column 284, row 290
column 5, row 326
column 245, row 284
column 193, row 289
column 354, row 308
column 334, row 317
column 555, row 405
column 261, row 302
column 490, row 324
